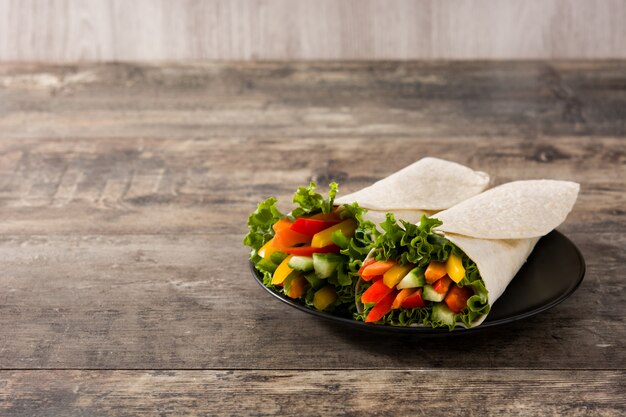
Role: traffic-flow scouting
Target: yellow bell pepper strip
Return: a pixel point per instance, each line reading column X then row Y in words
column 267, row 250
column 393, row 276
column 324, row 297
column 298, row 285
column 325, row 237
column 435, row 271
column 282, row 271
column 454, row 268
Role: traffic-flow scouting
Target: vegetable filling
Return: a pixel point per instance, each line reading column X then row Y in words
column 312, row 254
column 417, row 277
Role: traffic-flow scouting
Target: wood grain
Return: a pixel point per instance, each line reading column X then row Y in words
column 118, row 30
column 124, row 191
column 313, row 393
column 200, row 186
column 298, row 100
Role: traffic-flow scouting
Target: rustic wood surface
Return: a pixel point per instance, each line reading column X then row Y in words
column 122, row 30
column 124, row 191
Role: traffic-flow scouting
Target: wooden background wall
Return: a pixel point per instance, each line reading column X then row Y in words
column 105, row 30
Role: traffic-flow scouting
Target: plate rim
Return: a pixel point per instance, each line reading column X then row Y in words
column 417, row 330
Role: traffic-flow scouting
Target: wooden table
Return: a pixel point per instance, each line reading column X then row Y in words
column 124, row 192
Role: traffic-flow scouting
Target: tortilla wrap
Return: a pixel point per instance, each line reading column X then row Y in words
column 499, row 228
column 424, row 187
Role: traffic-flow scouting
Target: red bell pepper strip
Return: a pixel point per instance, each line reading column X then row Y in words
column 442, row 285
column 309, row 227
column 414, row 300
column 457, row 297
column 381, row 308
column 376, row 292
column 308, row 250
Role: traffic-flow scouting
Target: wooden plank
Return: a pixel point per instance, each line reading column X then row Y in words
column 180, row 302
column 314, row 100
column 158, row 30
column 313, row 393
column 200, row 186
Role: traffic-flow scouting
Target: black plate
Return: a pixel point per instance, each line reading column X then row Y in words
column 552, row 273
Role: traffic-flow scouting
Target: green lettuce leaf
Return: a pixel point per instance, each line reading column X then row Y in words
column 260, row 230
column 310, row 202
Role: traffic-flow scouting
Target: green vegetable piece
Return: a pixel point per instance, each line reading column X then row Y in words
column 442, row 315
column 301, row 263
column 415, row 278
column 278, row 257
column 315, row 281
column 325, row 264
column 431, row 295
column 340, row 239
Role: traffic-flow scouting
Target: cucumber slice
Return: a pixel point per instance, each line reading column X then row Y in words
column 325, row 264
column 441, row 313
column 301, row 263
column 415, row 278
column 431, row 295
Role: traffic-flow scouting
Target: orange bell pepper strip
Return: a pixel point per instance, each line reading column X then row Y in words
column 287, row 238
column 376, row 268
column 365, row 265
column 457, row 297
column 298, row 285
column 283, row 223
column 436, row 270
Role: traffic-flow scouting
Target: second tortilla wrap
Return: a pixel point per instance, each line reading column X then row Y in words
column 499, row 228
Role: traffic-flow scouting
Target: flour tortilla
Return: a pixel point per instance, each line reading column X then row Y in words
column 424, row 187
column 499, row 228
